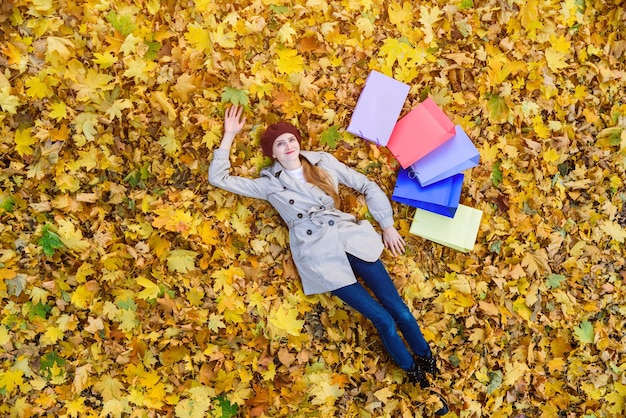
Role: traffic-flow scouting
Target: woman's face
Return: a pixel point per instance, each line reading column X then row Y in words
column 286, row 150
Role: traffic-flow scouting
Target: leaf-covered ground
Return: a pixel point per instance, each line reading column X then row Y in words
column 130, row 287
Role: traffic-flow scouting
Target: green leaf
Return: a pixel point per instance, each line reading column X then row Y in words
column 585, row 333
column 235, row 96
column 498, row 109
column 330, row 137
column 7, row 203
column 39, row 309
column 554, row 280
column 49, row 360
column 496, row 174
column 228, row 410
column 466, row 4
column 279, row 9
column 153, row 49
column 49, row 241
column 122, row 24
column 496, row 246
column 495, row 381
column 454, row 360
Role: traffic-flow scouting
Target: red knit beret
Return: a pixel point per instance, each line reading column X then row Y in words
column 274, row 131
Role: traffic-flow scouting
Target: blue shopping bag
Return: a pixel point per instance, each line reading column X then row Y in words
column 441, row 197
column 451, row 157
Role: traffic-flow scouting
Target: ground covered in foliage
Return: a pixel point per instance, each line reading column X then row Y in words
column 130, row 287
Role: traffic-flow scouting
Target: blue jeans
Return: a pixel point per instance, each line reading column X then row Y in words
column 386, row 313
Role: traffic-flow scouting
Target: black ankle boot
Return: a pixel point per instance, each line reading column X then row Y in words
column 416, row 374
column 427, row 364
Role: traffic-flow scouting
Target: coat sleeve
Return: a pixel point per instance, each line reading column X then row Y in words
column 219, row 176
column 377, row 201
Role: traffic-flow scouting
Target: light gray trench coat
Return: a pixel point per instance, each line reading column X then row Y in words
column 319, row 234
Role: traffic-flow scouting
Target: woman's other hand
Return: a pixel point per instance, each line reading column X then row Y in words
column 393, row 241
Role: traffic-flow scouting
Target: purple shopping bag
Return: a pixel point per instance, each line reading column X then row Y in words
column 378, row 108
column 451, row 157
column 441, row 197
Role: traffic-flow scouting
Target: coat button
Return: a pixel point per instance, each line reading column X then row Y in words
column 331, row 222
column 300, row 215
column 309, row 232
column 291, row 201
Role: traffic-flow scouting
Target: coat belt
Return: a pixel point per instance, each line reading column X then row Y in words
column 316, row 215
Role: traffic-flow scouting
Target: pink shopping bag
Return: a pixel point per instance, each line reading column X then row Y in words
column 419, row 132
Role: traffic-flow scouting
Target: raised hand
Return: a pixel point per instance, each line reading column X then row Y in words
column 233, row 122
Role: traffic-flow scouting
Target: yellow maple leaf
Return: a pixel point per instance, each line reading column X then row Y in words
column 8, row 102
column 151, row 290
column 224, row 37
column 81, row 297
column 540, row 127
column 529, row 18
column 325, row 393
column 614, row 230
column 231, row 305
column 115, row 110
column 58, row 110
column 181, row 261
column 109, row 387
column 285, row 321
column 51, row 336
column 551, row 155
column 208, row 234
column 568, row 13
column 514, row 372
column 560, row 44
column 39, row 87
column 428, row 17
column 365, row 26
column 10, row 379
column 139, row 69
column 127, row 319
column 555, row 59
column 58, row 50
column 185, row 85
column 86, row 124
column 289, row 61
column 67, row 182
column 176, row 220
column 399, row 15
column 90, row 84
column 105, row 59
column 71, row 237
column 17, row 55
column 198, row 37
column 23, row 141
column 5, row 337
column 115, row 408
column 286, row 33
column 169, row 142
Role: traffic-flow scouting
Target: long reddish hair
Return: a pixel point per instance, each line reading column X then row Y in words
column 320, row 178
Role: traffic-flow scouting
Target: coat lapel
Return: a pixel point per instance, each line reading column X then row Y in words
column 292, row 184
